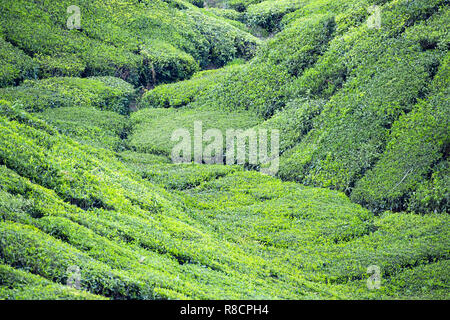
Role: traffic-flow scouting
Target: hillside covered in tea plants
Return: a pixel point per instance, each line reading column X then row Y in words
column 88, row 188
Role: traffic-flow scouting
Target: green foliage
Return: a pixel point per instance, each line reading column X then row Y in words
column 433, row 195
column 360, row 110
column 119, row 39
column 184, row 176
column 104, row 93
column 293, row 122
column 227, row 13
column 260, row 86
column 153, row 128
column 322, row 233
column 166, row 63
column 15, row 65
column 64, row 65
column 418, row 140
column 182, row 93
column 371, row 79
column 16, row 284
column 239, row 5
column 268, row 14
column 102, row 129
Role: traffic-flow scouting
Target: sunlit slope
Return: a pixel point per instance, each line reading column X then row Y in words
column 87, row 184
column 240, row 236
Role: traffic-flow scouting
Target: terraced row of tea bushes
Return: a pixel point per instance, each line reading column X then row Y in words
column 90, row 111
column 424, row 282
column 227, row 13
column 324, row 235
column 160, row 170
column 145, row 42
column 369, row 88
column 239, row 5
column 15, row 64
column 153, row 128
column 88, row 125
column 417, row 150
column 428, row 281
column 268, row 14
column 293, row 122
column 183, row 92
column 129, row 239
column 164, row 62
column 260, row 86
column 104, row 93
column 21, row 285
column 231, row 16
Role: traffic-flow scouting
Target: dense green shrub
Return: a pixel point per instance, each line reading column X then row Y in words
column 227, row 13
column 184, row 176
column 104, row 93
column 16, row 284
column 239, row 5
column 328, row 243
column 268, row 14
column 15, row 65
column 122, row 40
column 428, row 281
column 182, row 93
column 418, row 141
column 382, row 77
column 260, row 86
column 167, row 63
column 64, row 65
column 433, row 195
column 102, row 129
column 294, row 121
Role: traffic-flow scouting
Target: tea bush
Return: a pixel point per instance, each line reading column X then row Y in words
column 182, row 93
column 268, row 14
column 104, row 93
column 102, row 129
column 15, row 65
column 16, row 284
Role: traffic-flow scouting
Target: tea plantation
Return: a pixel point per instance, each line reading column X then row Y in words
column 88, row 190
